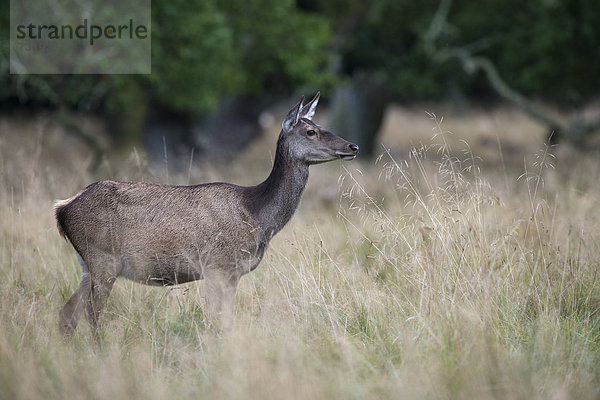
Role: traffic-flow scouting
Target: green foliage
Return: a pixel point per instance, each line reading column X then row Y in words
column 193, row 57
column 543, row 48
column 279, row 47
column 389, row 41
column 202, row 51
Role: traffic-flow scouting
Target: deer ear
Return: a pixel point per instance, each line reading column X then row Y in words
column 308, row 111
column 291, row 119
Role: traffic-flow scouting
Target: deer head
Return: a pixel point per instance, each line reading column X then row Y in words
column 309, row 142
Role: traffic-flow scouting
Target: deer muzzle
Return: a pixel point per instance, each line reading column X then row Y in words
column 349, row 153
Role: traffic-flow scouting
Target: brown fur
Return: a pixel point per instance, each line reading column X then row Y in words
column 166, row 235
column 58, row 205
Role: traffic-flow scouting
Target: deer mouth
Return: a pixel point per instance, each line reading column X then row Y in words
column 346, row 156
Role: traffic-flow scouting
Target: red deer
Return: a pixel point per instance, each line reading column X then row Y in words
column 167, row 235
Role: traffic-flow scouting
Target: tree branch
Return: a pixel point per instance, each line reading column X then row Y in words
column 472, row 63
column 95, row 146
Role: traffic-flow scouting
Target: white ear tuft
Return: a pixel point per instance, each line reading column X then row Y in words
column 308, row 111
column 293, row 116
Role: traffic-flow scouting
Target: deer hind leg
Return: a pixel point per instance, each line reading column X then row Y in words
column 71, row 312
column 100, row 290
column 102, row 278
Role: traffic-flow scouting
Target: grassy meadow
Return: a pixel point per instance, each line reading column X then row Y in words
column 461, row 264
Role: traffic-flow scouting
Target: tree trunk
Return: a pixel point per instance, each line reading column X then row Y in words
column 357, row 111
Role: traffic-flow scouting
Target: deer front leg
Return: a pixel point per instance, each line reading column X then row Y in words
column 220, row 287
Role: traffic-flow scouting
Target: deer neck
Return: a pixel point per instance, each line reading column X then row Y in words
column 275, row 200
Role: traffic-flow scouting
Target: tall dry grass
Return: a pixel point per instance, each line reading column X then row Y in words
column 427, row 274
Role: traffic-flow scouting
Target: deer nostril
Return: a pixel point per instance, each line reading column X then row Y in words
column 354, row 148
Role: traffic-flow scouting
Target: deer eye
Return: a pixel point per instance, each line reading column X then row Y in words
column 311, row 133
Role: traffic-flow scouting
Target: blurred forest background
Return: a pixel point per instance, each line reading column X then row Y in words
column 217, row 65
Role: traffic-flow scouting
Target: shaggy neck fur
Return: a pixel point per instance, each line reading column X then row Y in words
column 274, row 201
